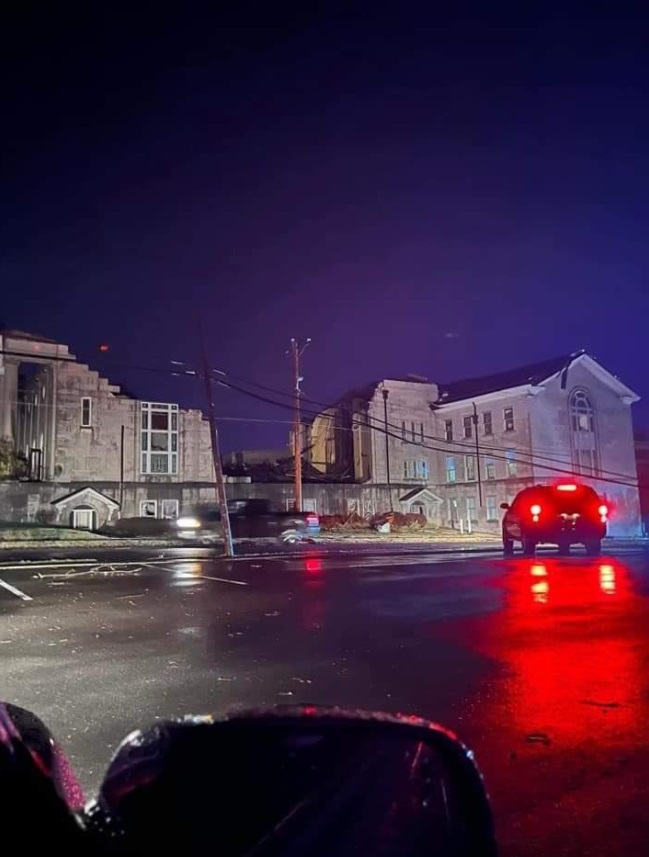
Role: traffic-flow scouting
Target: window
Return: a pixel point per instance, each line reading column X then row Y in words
column 587, row 462
column 582, row 416
column 510, row 460
column 422, row 469
column 412, row 432
column 471, row 509
column 469, row 468
column 448, row 430
column 86, row 412
column 159, row 438
column 169, row 509
column 421, row 432
column 492, row 508
column 508, row 419
column 584, row 438
column 451, row 471
column 489, row 468
column 149, row 509
column 487, row 423
column 403, row 429
column 468, row 426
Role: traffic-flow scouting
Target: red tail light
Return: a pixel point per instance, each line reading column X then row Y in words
column 312, row 520
column 603, row 511
column 535, row 509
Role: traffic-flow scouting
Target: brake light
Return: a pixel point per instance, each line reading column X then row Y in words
column 603, row 512
column 535, row 509
column 567, row 487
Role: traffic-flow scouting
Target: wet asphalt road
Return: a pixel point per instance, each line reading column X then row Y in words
column 542, row 665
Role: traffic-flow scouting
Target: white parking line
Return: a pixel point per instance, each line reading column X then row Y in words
column 15, row 591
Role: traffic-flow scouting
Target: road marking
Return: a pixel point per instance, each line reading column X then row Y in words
column 15, row 591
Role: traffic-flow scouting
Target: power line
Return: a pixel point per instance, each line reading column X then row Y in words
column 529, row 459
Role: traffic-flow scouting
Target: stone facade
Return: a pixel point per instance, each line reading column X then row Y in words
column 75, row 430
column 476, row 444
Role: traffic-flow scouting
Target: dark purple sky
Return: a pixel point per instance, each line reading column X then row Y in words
column 446, row 196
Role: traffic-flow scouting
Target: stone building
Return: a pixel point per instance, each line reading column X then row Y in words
column 473, row 444
column 107, row 454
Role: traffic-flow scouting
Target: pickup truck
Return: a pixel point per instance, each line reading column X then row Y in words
column 249, row 519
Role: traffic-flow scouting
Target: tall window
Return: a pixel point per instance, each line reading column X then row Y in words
column 451, row 469
column 469, row 467
column 489, row 468
column 448, row 430
column 471, row 510
column 487, row 423
column 403, row 429
column 412, row 431
column 508, row 419
column 86, row 412
column 492, row 509
column 421, row 432
column 159, row 438
column 584, row 437
column 510, row 460
column 468, row 426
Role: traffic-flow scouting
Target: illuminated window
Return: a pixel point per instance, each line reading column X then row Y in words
column 451, row 469
column 159, row 438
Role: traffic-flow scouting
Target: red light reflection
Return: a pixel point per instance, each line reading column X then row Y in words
column 313, row 565
column 312, row 602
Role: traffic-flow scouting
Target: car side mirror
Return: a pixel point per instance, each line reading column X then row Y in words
column 505, row 506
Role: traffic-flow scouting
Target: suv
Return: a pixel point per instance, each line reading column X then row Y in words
column 562, row 515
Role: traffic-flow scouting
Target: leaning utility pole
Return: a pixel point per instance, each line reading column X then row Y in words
column 296, row 352
column 228, row 547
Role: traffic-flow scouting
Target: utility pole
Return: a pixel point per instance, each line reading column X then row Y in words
column 387, row 444
column 296, row 352
column 477, row 453
column 228, row 547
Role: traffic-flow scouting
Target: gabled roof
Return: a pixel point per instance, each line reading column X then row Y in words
column 533, row 373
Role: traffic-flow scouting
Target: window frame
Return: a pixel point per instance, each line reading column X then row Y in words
column 86, row 400
column 486, row 423
column 467, row 427
column 448, row 430
column 489, row 465
column 495, row 516
column 511, row 463
column 467, row 477
column 509, row 423
column 176, row 506
column 149, row 454
column 450, row 459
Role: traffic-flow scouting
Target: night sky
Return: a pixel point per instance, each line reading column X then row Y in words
column 441, row 193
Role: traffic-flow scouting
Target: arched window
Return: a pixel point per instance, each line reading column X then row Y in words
column 583, row 434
